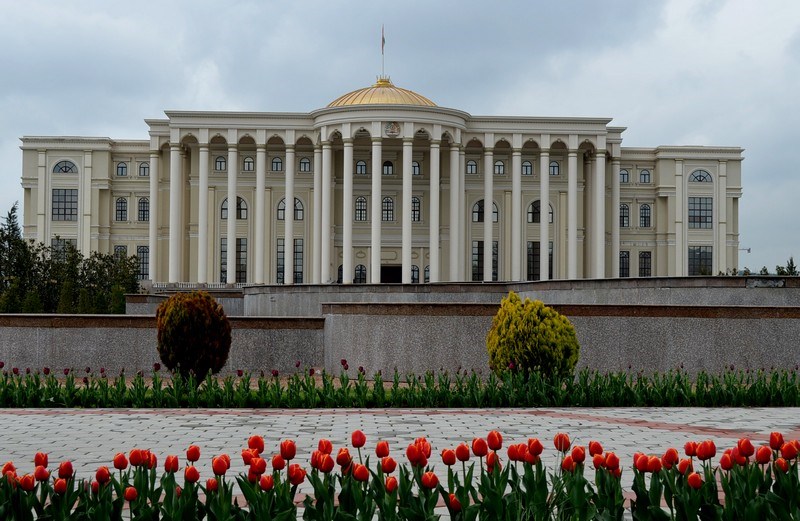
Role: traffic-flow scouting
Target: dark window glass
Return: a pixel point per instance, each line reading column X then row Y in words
column 65, row 167
column 143, row 256
column 624, row 264
column 65, row 204
column 121, row 209
column 701, row 214
column 700, row 259
column 644, row 216
column 144, row 209
column 645, row 264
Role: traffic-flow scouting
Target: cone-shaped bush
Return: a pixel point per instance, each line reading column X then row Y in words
column 530, row 336
column 194, row 335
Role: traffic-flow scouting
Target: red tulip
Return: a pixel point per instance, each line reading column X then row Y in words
column 763, row 454
column 429, row 480
column 706, row 450
column 258, row 465
column 297, row 475
column 567, row 464
column 479, row 447
column 102, row 475
column 65, row 470
column 343, row 458
column 726, row 462
column 137, row 457
column 326, row 463
column 178, row 491
column 789, row 450
column 513, row 452
column 191, row 474
column 495, row 440
column 95, row 487
column 695, row 481
column 325, row 446
column 220, row 467
column 640, row 461
column 746, row 448
column 424, row 446
column 41, row 473
column 391, row 484
column 782, row 465
column 690, row 448
column 131, row 494
column 358, row 439
column 252, row 477
column 654, row 464
column 288, row 450
column 153, row 460
column 8, row 467
column 193, row 453
column 448, row 457
column 60, row 486
column 171, row 464
column 248, row 455
column 492, row 461
column 120, row 461
column 27, row 482
column 388, row 464
column 535, row 446
column 315, row 459
column 382, row 449
column 685, row 466
column 612, row 461
column 453, row 503
column 578, row 454
column 595, row 448
column 462, row 452
column 598, row 461
column 211, row 485
column 360, row 472
column 738, row 459
column 267, row 483
column 562, row 442
column 413, row 454
column 256, row 443
column 40, row 459
column 775, row 440
column 670, row 458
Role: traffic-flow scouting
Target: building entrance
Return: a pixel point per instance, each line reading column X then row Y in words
column 391, row 274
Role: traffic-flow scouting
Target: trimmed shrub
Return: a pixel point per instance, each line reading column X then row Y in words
column 530, row 336
column 194, row 335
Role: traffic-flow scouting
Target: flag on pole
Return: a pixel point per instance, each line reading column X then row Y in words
column 383, row 40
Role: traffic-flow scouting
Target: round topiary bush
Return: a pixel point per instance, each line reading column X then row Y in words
column 530, row 336
column 194, row 335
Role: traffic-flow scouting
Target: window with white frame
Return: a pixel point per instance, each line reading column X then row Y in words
column 499, row 167
column 527, row 168
column 248, row 165
column 65, row 167
column 387, row 209
column 361, row 167
column 305, row 165
column 144, row 209
column 122, row 169
column 644, row 216
column 701, row 212
column 277, row 164
column 472, row 167
column 220, row 164
column 644, row 176
column 555, row 168
column 415, row 209
column 415, row 168
column 624, row 216
column 121, row 209
column 144, row 169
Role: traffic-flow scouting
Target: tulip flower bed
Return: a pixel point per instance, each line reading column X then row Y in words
column 475, row 481
column 677, row 388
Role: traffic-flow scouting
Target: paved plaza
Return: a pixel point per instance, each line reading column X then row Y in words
column 91, row 437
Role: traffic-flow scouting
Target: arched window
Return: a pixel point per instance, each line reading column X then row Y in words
column 499, row 168
column 298, row 209
column 415, row 168
column 121, row 213
column 700, row 176
column 388, row 168
column 427, row 274
column 361, row 209
column 65, row 167
column 415, row 209
column 624, row 216
column 477, row 212
column 144, row 209
column 248, row 165
column 555, row 168
column 535, row 215
column 644, row 216
column 241, row 209
column 144, row 169
column 277, row 164
column 644, row 176
column 387, row 210
column 122, row 169
column 361, row 274
column 527, row 168
column 624, row 264
column 220, row 163
column 361, row 167
column 472, row 167
column 414, row 274
column 624, row 176
column 305, row 164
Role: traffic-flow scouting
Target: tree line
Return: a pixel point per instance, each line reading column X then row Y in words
column 35, row 278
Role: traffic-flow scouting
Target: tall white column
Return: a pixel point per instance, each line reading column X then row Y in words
column 433, row 212
column 572, row 214
column 681, row 261
column 544, row 215
column 488, row 198
column 406, row 223
column 288, row 223
column 615, row 202
column 154, row 215
column 587, row 251
column 463, row 248
column 454, row 212
column 375, row 212
column 516, row 214
column 327, row 170
column 261, row 183
column 721, row 228
column 317, row 245
column 175, row 213
column 347, row 214
column 202, row 217
column 233, row 172
column 599, row 207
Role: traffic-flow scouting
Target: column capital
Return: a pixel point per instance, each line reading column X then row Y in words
column 155, row 153
column 174, row 146
column 615, row 161
column 377, row 139
column 543, row 151
column 326, row 144
column 407, row 139
column 573, row 152
column 436, row 142
column 288, row 147
column 203, row 146
column 232, row 148
column 488, row 150
column 261, row 146
column 516, row 151
column 348, row 141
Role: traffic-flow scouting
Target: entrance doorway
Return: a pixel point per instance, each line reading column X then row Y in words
column 391, row 274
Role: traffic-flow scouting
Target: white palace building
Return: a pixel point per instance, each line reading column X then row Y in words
column 385, row 186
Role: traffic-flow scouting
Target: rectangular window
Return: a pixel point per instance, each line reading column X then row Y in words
column 120, row 252
column 223, row 260
column 241, row 260
column 477, row 260
column 280, row 261
column 700, row 259
column 701, row 213
column 143, row 255
column 59, row 247
column 624, row 264
column 645, row 264
column 534, row 260
column 65, row 204
column 298, row 261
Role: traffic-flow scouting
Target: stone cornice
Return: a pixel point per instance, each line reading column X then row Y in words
column 66, row 143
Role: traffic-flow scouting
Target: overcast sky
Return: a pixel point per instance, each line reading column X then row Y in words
column 674, row 72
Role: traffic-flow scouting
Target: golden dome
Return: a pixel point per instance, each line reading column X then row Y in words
column 382, row 93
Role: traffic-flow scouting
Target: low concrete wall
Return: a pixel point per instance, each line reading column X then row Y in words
column 129, row 342
column 145, row 304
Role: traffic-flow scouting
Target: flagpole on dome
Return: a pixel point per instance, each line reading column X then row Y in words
column 383, row 57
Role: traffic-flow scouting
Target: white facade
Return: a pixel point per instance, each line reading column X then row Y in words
column 388, row 187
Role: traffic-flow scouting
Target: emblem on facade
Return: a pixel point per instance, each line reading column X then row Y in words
column 392, row 129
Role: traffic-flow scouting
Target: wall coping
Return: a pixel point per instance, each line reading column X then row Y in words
column 148, row 321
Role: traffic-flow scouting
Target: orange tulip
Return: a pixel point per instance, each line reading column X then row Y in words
column 789, row 450
column 60, row 486
column 41, row 473
column 775, row 440
column 382, row 449
column 220, row 467
column 65, row 470
column 258, row 466
column 595, row 448
column 567, row 464
column 120, row 461
column 453, row 503
column 535, row 446
column 763, row 454
column 578, row 454
column 171, row 464
column 343, row 458
column 690, row 448
column 326, row 463
column 726, row 461
column 297, row 474
column 27, row 482
column 612, row 461
column 746, row 448
column 40, row 458
column 278, row 463
column 782, row 465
